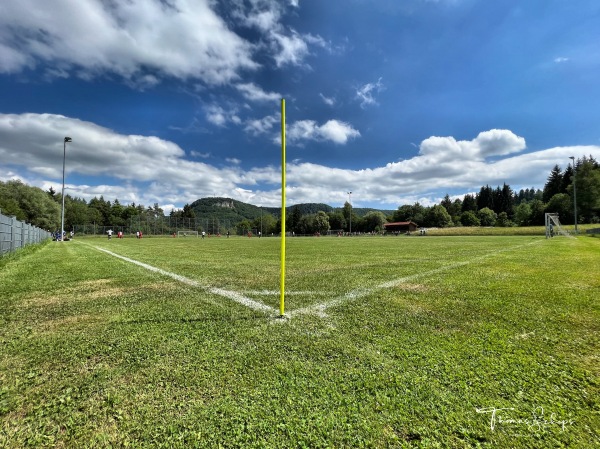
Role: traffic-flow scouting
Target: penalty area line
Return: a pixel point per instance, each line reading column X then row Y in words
column 234, row 296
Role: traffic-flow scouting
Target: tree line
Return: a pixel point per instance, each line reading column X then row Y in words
column 498, row 206
column 501, row 206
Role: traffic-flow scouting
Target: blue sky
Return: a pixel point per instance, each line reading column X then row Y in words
column 396, row 101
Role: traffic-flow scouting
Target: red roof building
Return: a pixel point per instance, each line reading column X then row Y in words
column 401, row 226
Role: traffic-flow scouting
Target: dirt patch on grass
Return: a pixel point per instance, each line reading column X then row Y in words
column 407, row 286
column 90, row 290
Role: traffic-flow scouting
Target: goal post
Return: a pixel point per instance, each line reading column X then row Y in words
column 187, row 233
column 553, row 226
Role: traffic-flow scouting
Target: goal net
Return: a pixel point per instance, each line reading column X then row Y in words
column 553, row 226
column 187, row 233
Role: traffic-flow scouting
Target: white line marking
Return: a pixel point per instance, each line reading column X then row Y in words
column 319, row 309
column 287, row 293
column 237, row 297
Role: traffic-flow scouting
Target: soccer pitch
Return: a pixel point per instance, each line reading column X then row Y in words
column 386, row 342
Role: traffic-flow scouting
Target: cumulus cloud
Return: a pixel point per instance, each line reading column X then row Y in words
column 179, row 39
column 496, row 142
column 148, row 170
column 333, row 130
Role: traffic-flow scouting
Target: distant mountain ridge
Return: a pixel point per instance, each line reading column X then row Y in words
column 236, row 211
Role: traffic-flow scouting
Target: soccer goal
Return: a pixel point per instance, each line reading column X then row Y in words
column 553, row 226
column 187, row 233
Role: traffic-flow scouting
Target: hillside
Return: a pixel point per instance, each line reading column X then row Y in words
column 234, row 211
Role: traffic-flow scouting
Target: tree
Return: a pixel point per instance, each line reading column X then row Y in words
column 306, row 226
column 485, row 198
column 243, row 227
column 503, row 221
column 455, row 209
column 553, row 184
column 468, row 218
column 373, row 221
column 522, row 214
column 504, row 200
column 415, row 213
column 76, row 212
column 587, row 179
column 562, row 205
column 567, row 180
column 446, row 202
column 321, row 222
column 537, row 213
column 294, row 219
column 337, row 220
column 487, row 217
column 349, row 216
column 30, row 204
column 469, row 203
column 438, row 217
column 188, row 212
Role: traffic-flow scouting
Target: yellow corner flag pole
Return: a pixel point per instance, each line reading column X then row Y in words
column 282, row 278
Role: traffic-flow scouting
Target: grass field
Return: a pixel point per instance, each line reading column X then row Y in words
column 441, row 342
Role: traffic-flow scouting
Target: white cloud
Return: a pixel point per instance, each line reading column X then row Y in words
column 262, row 126
column 288, row 47
column 334, row 131
column 199, row 154
column 292, row 49
column 495, row 142
column 180, row 39
column 365, row 93
column 252, row 92
column 560, row 59
column 148, row 170
column 327, row 100
column 218, row 116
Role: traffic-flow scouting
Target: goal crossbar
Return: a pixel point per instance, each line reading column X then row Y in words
column 187, row 233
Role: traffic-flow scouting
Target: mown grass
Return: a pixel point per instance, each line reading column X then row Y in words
column 97, row 352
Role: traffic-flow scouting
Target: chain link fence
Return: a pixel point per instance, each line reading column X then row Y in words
column 15, row 234
column 159, row 226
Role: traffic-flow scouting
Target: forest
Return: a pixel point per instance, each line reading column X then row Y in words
column 491, row 206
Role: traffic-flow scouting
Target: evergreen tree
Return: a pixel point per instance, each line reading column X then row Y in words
column 553, row 184
column 587, row 183
column 567, row 179
column 188, row 212
column 485, row 198
column 294, row 219
column 505, row 201
column 469, row 203
column 446, row 202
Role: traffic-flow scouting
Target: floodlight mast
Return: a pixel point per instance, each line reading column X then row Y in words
column 62, row 213
column 350, row 202
column 574, row 192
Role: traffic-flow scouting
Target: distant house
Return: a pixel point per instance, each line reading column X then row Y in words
column 400, row 227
